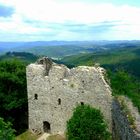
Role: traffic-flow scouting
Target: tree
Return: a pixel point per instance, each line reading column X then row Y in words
column 13, row 93
column 6, row 132
column 123, row 83
column 122, row 78
column 87, row 124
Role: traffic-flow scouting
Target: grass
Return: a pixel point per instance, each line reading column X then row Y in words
column 28, row 135
column 123, row 103
column 56, row 137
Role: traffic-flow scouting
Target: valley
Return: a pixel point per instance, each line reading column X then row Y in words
column 121, row 59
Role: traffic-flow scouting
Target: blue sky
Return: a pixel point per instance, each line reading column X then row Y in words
column 33, row 20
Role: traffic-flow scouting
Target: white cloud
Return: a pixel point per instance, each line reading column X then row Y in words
column 58, row 11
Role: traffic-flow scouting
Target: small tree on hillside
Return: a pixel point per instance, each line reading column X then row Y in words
column 87, row 124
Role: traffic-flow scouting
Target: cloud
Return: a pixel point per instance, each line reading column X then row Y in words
column 68, row 20
column 6, row 11
column 92, row 28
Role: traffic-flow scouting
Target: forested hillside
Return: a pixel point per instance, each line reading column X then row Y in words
column 126, row 58
column 23, row 56
column 123, row 66
column 13, row 94
column 60, row 49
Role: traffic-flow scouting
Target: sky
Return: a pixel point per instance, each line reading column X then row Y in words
column 69, row 20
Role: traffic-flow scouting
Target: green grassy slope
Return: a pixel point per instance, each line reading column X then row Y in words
column 126, row 58
column 23, row 56
column 27, row 136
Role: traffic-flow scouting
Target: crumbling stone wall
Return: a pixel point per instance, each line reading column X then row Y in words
column 52, row 96
column 126, row 120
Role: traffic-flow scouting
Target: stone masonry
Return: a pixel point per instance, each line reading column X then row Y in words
column 123, row 129
column 54, row 91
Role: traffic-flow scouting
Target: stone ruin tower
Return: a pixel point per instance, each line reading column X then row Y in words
column 54, row 91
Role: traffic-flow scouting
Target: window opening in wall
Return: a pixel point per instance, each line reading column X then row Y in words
column 46, row 126
column 82, row 103
column 35, row 96
column 59, row 101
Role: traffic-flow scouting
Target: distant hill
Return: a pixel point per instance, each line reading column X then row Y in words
column 59, row 49
column 110, row 54
column 125, row 58
column 23, row 56
column 9, row 46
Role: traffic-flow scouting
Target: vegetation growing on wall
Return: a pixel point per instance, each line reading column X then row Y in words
column 87, row 123
column 124, row 108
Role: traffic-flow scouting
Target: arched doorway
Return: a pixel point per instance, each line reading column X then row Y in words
column 46, row 126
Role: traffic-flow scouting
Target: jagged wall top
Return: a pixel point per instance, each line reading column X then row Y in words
column 47, row 63
column 44, row 65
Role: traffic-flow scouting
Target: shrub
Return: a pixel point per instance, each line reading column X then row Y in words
column 6, row 132
column 87, row 124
